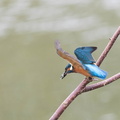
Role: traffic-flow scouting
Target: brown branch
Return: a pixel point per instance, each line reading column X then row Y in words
column 82, row 86
column 108, row 47
column 102, row 83
column 69, row 99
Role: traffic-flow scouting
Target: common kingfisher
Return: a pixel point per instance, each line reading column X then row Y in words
column 83, row 63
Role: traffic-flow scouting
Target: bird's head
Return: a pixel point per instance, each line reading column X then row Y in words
column 68, row 69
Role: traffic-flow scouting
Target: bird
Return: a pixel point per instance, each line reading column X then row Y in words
column 83, row 63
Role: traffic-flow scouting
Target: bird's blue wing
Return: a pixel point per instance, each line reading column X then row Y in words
column 84, row 54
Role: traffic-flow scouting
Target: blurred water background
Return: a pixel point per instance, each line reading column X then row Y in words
column 30, row 88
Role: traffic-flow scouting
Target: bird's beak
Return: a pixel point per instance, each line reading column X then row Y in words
column 63, row 75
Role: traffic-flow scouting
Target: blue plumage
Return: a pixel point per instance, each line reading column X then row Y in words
column 84, row 54
column 94, row 70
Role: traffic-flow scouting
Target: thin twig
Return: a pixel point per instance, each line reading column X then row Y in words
column 82, row 86
column 69, row 99
column 108, row 47
column 102, row 83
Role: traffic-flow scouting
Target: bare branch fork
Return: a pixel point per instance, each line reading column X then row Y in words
column 82, row 87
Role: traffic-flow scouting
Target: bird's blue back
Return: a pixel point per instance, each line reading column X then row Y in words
column 94, row 70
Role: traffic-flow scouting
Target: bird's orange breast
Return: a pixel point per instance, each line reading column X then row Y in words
column 79, row 69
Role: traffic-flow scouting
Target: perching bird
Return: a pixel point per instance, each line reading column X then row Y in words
column 83, row 64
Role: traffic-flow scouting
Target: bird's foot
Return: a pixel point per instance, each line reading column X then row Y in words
column 90, row 79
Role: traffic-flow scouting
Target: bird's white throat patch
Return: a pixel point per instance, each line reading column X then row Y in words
column 71, row 68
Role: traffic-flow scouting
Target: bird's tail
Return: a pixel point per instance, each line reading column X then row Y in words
column 94, row 70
